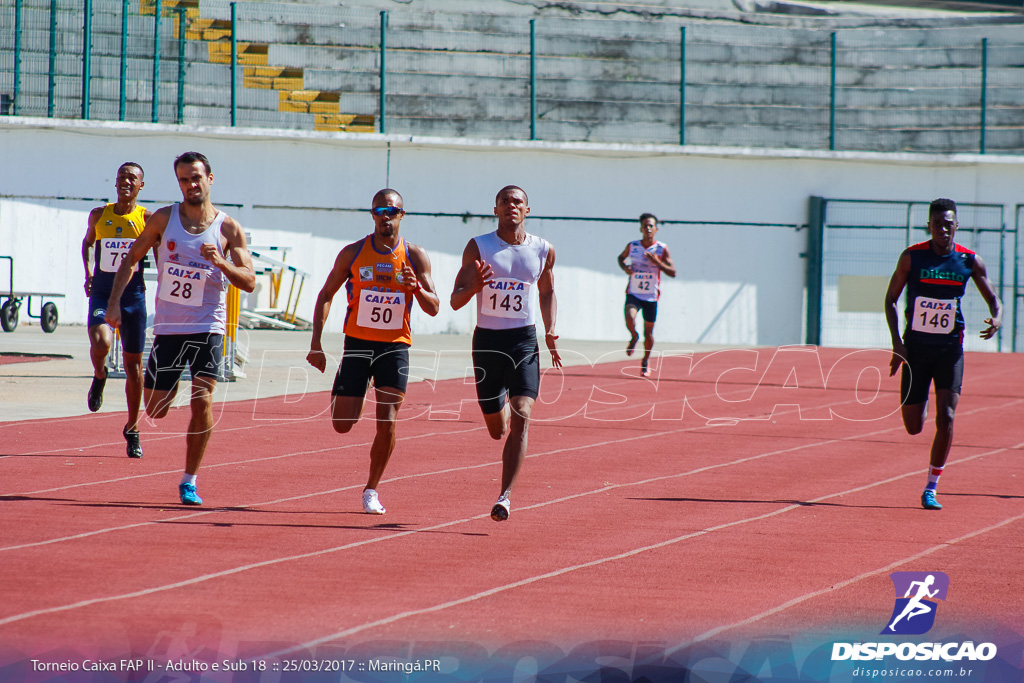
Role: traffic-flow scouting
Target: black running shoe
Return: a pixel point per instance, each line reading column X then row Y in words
column 96, row 393
column 134, row 445
column 501, row 509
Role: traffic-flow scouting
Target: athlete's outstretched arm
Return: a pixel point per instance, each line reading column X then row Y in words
column 337, row 277
column 549, row 306
column 892, row 295
column 995, row 306
column 418, row 281
column 150, row 237
column 473, row 276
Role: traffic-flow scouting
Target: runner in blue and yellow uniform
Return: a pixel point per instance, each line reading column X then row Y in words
column 935, row 275
column 115, row 227
column 382, row 274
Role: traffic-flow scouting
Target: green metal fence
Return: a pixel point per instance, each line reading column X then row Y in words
column 857, row 244
column 938, row 90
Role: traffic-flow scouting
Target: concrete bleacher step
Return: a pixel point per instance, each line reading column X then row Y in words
column 273, row 77
column 310, row 101
column 191, row 7
column 349, row 123
column 208, row 29
column 252, row 54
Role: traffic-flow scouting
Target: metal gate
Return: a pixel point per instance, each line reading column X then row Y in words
column 853, row 249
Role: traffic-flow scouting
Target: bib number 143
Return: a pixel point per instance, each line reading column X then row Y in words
column 506, row 298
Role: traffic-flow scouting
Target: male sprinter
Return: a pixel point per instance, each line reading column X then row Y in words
column 382, row 274
column 935, row 274
column 501, row 269
column 116, row 226
column 196, row 242
column 648, row 259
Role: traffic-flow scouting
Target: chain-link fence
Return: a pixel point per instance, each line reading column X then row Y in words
column 861, row 241
column 203, row 62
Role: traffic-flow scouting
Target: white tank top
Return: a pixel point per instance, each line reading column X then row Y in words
column 190, row 292
column 510, row 301
column 645, row 282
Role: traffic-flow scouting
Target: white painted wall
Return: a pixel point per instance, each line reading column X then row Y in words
column 736, row 284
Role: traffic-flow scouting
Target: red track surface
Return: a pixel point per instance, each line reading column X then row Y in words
column 623, row 527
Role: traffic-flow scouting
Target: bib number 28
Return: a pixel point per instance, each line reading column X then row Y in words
column 182, row 285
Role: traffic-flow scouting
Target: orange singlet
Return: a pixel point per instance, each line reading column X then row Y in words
column 378, row 309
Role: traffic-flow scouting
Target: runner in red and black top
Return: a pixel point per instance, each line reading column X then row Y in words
column 935, row 275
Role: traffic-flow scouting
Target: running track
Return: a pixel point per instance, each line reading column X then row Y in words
column 670, row 531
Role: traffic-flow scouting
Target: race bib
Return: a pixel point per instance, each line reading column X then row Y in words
column 113, row 250
column 182, row 285
column 933, row 316
column 381, row 310
column 506, row 298
column 642, row 284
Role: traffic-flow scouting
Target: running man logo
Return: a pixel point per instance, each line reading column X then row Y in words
column 914, row 613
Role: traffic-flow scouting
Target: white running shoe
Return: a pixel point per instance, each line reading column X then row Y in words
column 371, row 505
column 501, row 509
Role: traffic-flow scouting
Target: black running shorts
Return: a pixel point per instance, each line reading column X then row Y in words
column 942, row 364
column 386, row 362
column 506, row 363
column 172, row 353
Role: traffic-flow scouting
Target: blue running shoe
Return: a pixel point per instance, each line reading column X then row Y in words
column 928, row 501
column 188, row 495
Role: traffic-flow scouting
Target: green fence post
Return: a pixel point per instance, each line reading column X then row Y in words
column 815, row 256
column 832, row 96
column 1015, row 306
column 122, row 98
column 1002, row 273
column 682, row 85
column 383, row 71
column 86, row 58
column 17, row 57
column 181, row 64
column 984, row 83
column 533, row 79
column 51, row 82
column 156, row 62
column 234, row 64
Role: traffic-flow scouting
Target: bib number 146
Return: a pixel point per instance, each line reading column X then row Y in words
column 934, row 316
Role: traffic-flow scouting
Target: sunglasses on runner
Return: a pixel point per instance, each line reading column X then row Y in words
column 389, row 211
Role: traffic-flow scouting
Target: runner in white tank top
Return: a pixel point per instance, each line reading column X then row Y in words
column 509, row 300
column 644, row 260
column 502, row 270
column 191, row 291
column 201, row 251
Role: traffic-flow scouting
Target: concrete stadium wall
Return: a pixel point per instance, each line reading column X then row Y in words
column 737, row 284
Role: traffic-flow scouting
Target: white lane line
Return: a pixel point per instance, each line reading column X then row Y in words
column 654, row 546
column 843, row 584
